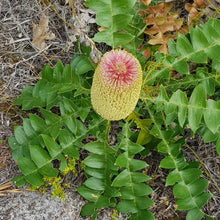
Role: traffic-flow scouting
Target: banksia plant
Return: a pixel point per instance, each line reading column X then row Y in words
column 116, row 85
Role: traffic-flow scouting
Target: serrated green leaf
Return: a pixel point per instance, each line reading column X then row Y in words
column 144, row 137
column 84, row 109
column 198, row 57
column 144, row 202
column 197, row 103
column 103, row 36
column 197, row 202
column 17, row 149
column 134, row 206
column 95, row 184
column 35, row 179
column 125, row 206
column 165, row 148
column 102, row 202
column 142, row 214
column 181, row 66
column 199, row 40
column 168, row 163
column 26, row 165
column 37, row 123
column 28, row 129
column 126, row 193
column 183, row 46
column 161, row 98
column 95, row 161
column 141, row 189
column 67, row 143
column 29, row 169
column 131, row 192
column 20, row 136
column 71, row 123
column 41, row 90
column 88, row 209
column 123, row 179
column 122, row 160
column 53, row 148
column 172, row 178
column 120, row 20
column 207, row 135
column 172, row 47
column 114, row 16
column 136, row 164
column 179, row 99
column 19, row 180
column 53, row 122
column 139, row 177
column 57, row 72
column 206, row 80
column 47, row 73
column 213, row 52
column 133, row 164
column 50, row 117
column 197, row 187
column 27, row 100
column 88, row 194
column 82, row 64
column 130, row 146
column 39, row 155
column 63, row 162
column 211, row 31
column 194, row 214
column 48, row 170
column 181, row 191
column 212, row 115
column 122, row 38
column 13, row 143
column 98, row 173
column 95, row 147
column 188, row 175
column 43, row 161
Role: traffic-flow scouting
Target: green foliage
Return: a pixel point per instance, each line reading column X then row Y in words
column 180, row 90
column 49, row 136
column 132, row 191
column 188, row 187
column 99, row 169
column 198, row 47
column 115, row 16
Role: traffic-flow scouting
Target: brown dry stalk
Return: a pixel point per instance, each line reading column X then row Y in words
column 72, row 7
column 203, row 166
column 4, row 189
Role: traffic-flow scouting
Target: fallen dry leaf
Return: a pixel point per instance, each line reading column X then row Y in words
column 200, row 3
column 146, row 2
column 162, row 24
column 41, row 33
column 194, row 9
column 146, row 53
column 162, row 40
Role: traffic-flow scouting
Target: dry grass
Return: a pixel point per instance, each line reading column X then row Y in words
column 6, row 188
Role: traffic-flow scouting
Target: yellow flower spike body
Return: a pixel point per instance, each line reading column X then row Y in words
column 116, row 85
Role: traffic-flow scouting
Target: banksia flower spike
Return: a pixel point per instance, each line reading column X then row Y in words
column 116, row 85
